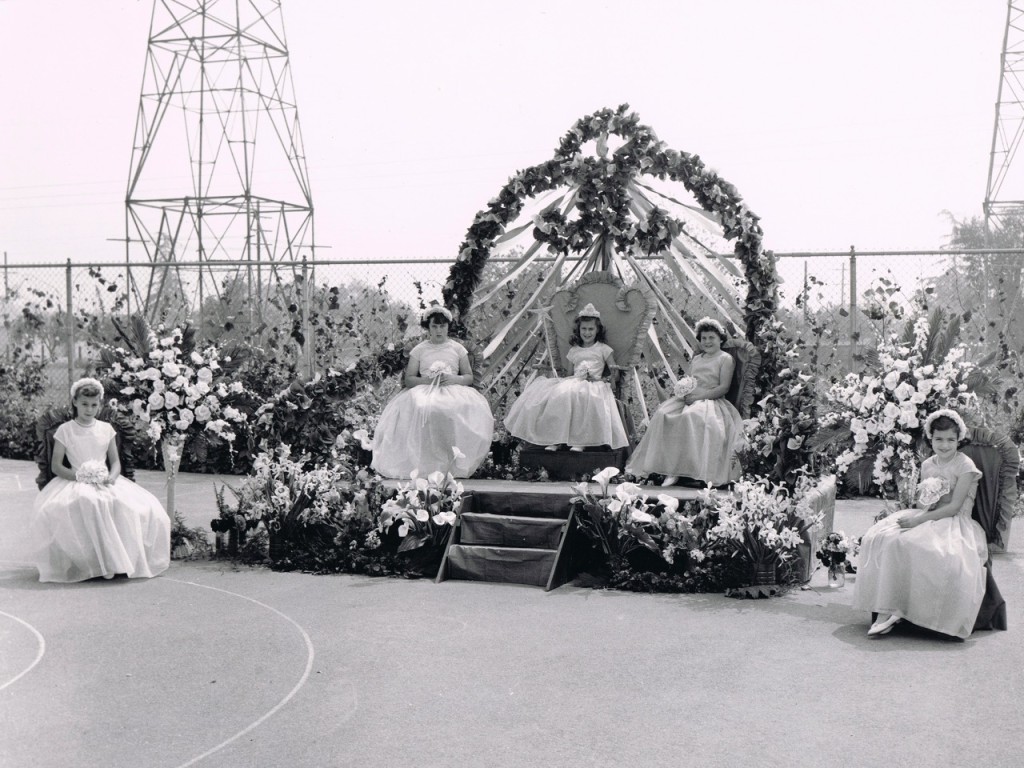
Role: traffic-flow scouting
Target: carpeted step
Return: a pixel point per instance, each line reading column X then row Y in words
column 509, row 565
column 510, row 531
column 572, row 465
column 519, row 504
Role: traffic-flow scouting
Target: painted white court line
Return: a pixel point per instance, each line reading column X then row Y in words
column 285, row 700
column 39, row 653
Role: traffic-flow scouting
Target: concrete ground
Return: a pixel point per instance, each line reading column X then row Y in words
column 217, row 665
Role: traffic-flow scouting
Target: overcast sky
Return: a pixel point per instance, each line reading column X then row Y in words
column 841, row 123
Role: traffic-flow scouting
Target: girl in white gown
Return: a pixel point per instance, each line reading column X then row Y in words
column 438, row 423
column 695, row 435
column 579, row 410
column 927, row 564
column 105, row 524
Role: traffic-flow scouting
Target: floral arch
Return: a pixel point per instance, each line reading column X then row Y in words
column 603, row 214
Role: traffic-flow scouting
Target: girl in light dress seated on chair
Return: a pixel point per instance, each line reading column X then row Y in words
column 88, row 521
column 438, row 410
column 694, row 435
column 927, row 564
column 579, row 410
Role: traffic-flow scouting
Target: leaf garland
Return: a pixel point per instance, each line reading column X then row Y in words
column 603, row 211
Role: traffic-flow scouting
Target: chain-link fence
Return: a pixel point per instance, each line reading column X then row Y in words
column 324, row 314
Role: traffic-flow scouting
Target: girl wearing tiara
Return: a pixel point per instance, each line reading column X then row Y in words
column 438, row 423
column 579, row 410
column 693, row 434
column 927, row 564
column 88, row 521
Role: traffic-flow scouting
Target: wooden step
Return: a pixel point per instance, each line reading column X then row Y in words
column 511, row 531
column 571, row 465
column 547, row 505
column 509, row 565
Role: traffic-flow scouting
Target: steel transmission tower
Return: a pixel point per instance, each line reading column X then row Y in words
column 218, row 171
column 1004, row 194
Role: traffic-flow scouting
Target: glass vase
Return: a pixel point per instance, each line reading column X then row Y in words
column 837, row 575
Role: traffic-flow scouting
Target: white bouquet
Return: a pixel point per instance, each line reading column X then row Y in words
column 583, row 371
column 438, row 368
column 930, row 490
column 684, row 386
column 92, row 472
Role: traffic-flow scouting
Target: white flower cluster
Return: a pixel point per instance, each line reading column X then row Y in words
column 931, row 489
column 759, row 514
column 438, row 368
column 280, row 489
column 425, row 501
column 585, row 370
column 174, row 394
column 886, row 409
column 92, row 472
column 684, row 386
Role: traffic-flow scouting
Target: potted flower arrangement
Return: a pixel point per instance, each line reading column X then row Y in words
column 760, row 525
column 633, row 530
column 835, row 551
column 422, row 515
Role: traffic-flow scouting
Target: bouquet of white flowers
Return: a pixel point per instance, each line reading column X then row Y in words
column 684, row 386
column 92, row 472
column 931, row 489
column 585, row 371
column 438, row 368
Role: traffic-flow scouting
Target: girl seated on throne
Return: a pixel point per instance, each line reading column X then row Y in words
column 579, row 410
column 438, row 423
column 694, row 435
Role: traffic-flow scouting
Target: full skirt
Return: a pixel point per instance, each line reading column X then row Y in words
column 932, row 575
column 696, row 440
column 81, row 531
column 570, row 411
column 421, row 425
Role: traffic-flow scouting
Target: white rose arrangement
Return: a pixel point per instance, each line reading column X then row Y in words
column 684, row 386
column 174, row 392
column 931, row 489
column 92, row 472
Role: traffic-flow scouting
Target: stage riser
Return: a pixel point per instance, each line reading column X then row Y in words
column 541, row 505
column 499, row 564
column 571, row 465
column 508, row 531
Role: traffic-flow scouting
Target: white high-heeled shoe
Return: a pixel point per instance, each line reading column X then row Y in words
column 670, row 480
column 884, row 627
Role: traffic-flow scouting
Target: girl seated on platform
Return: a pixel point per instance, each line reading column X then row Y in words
column 579, row 410
column 927, row 564
column 88, row 521
column 694, row 435
column 438, row 410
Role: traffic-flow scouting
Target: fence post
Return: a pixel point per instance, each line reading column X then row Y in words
column 69, row 302
column 310, row 352
column 853, row 304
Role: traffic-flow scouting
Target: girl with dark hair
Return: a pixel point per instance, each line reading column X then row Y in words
column 438, row 423
column 579, row 410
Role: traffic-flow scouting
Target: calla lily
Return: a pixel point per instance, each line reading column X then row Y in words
column 604, row 476
column 457, row 454
column 436, row 479
column 670, row 503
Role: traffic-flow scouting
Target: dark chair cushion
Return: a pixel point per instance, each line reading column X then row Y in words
column 748, row 362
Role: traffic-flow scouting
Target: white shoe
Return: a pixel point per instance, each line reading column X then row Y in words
column 670, row 480
column 576, row 448
column 551, row 447
column 884, row 627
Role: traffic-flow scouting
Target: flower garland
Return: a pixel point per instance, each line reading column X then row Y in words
column 603, row 210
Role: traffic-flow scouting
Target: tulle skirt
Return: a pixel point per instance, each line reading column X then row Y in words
column 570, row 411
column 695, row 440
column 420, row 425
column 81, row 531
column 932, row 575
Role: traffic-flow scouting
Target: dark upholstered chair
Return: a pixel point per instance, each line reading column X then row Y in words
column 747, row 360
column 997, row 458
column 748, row 363
column 46, row 426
